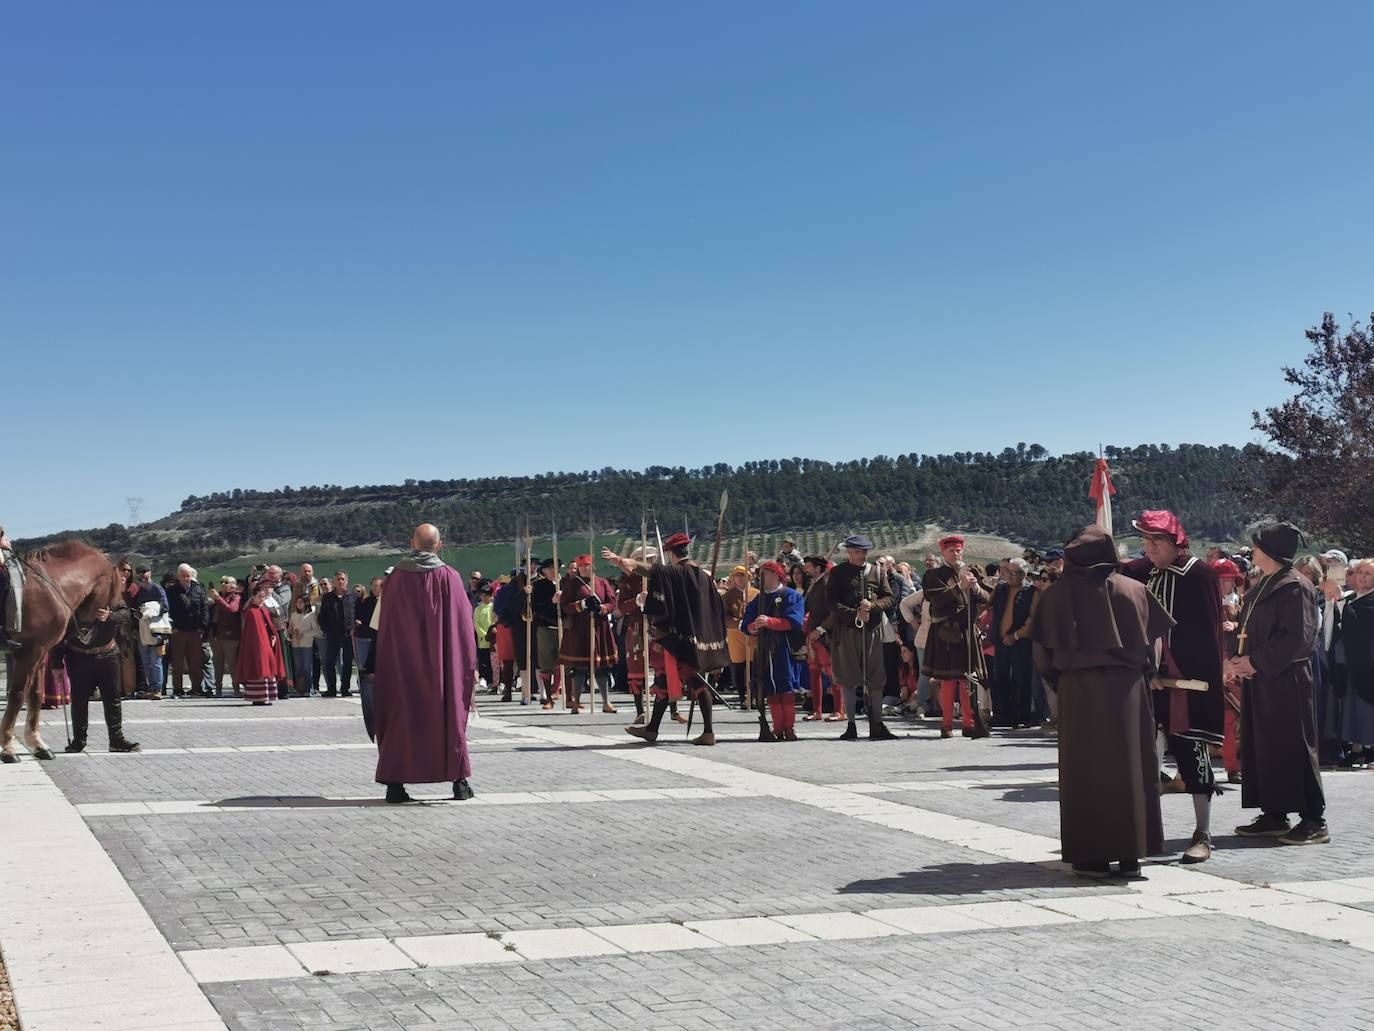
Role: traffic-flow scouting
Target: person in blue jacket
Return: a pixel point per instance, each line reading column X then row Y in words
column 775, row 617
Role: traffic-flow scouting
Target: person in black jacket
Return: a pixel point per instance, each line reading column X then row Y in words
column 337, row 620
column 92, row 652
column 189, row 609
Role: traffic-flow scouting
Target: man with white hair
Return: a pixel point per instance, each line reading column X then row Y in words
column 189, row 610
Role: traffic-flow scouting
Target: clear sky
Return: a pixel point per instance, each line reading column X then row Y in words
column 257, row 243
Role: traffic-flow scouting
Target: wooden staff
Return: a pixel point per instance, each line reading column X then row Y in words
column 558, row 605
column 744, row 603
column 643, row 622
column 591, row 619
column 720, row 528
column 529, row 613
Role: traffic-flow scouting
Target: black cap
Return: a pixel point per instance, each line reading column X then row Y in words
column 1278, row 540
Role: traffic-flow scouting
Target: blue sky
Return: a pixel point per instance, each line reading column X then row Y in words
column 254, row 244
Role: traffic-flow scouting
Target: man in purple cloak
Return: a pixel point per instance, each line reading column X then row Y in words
column 426, row 671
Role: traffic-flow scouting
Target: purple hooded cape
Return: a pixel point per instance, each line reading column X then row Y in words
column 426, row 655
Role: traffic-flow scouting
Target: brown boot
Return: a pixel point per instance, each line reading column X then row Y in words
column 706, row 739
column 643, row 733
column 1200, row 850
column 1172, row 787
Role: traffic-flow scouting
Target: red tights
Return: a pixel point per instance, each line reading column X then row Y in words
column 947, row 689
column 784, row 710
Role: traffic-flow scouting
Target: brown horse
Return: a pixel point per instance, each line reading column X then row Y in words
column 64, row 582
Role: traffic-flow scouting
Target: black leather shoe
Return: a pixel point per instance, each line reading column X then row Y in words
column 462, row 791
column 850, row 734
column 881, row 733
column 1265, row 825
column 396, row 794
column 75, row 746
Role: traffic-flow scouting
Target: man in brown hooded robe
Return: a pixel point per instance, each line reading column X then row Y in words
column 1278, row 736
column 1095, row 635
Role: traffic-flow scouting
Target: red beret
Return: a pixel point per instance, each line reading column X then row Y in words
column 774, row 567
column 950, row 541
column 1162, row 523
column 1226, row 568
column 677, row 540
column 582, row 560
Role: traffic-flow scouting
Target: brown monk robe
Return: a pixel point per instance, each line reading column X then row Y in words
column 1095, row 635
column 1278, row 736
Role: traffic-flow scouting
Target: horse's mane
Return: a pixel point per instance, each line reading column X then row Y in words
column 106, row 589
column 71, row 549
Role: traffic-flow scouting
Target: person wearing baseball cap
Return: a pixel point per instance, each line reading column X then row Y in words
column 1190, row 721
column 1278, row 740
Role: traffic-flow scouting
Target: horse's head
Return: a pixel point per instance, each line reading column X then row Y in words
column 105, row 592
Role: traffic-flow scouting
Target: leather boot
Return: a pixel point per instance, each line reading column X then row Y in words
column 114, row 722
column 81, row 715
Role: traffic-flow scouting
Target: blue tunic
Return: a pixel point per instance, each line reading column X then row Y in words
column 776, row 671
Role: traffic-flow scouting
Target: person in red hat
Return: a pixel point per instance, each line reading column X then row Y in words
column 1189, row 721
column 687, row 616
column 587, row 602
column 775, row 617
column 1229, row 579
column 952, row 655
column 630, row 597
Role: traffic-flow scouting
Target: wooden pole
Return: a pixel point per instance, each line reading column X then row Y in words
column 558, row 668
column 529, row 614
column 591, row 619
column 644, row 623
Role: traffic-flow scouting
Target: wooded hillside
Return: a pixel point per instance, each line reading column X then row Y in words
column 1023, row 493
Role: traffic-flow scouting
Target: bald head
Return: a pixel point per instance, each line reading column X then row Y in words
column 426, row 538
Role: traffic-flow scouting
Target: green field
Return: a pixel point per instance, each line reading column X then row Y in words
column 905, row 540
column 492, row 559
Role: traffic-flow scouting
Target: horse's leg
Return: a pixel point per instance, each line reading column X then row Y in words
column 33, row 698
column 32, row 738
column 16, row 696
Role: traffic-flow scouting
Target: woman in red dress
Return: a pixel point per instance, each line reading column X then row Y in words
column 260, row 667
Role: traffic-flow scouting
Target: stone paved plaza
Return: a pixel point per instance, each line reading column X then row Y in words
column 243, row 873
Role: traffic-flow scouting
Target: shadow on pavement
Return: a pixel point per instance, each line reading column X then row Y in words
column 960, row 879
column 297, row 802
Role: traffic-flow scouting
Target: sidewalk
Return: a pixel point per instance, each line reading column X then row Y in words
column 243, row 873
